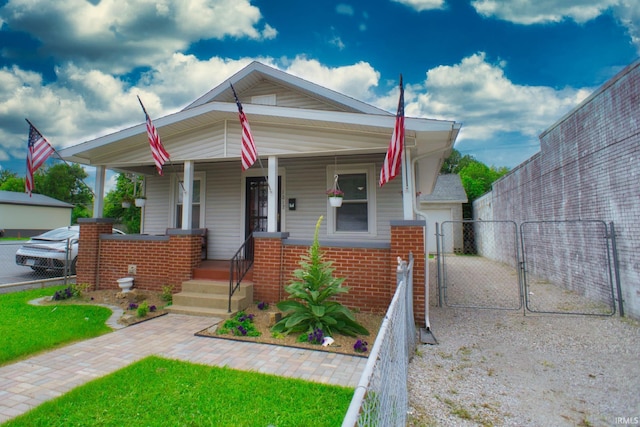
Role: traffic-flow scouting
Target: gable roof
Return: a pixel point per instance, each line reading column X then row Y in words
column 448, row 189
column 15, row 198
column 257, row 72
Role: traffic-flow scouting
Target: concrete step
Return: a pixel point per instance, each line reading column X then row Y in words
column 193, row 299
column 217, row 287
column 200, row 311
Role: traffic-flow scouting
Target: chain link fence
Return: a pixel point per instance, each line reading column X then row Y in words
column 485, row 273
column 568, row 267
column 381, row 397
column 559, row 267
column 21, row 269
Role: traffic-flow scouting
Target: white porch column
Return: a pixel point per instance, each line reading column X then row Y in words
column 408, row 192
column 187, row 194
column 98, row 198
column 272, row 199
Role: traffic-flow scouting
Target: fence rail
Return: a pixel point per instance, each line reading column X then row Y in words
column 381, row 397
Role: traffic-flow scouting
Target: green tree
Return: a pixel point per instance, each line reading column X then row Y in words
column 6, row 174
column 456, row 162
column 124, row 190
column 477, row 178
column 65, row 182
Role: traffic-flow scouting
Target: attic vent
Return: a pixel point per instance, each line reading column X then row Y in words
column 264, row 99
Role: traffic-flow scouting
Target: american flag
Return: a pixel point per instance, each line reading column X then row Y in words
column 393, row 160
column 249, row 152
column 160, row 155
column 38, row 151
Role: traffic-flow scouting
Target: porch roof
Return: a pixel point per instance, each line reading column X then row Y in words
column 208, row 129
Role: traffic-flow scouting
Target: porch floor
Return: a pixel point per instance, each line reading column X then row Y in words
column 217, row 269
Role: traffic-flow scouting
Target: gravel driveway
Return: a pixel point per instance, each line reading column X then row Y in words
column 501, row 368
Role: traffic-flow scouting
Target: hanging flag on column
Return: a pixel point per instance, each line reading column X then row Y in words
column 38, row 151
column 393, row 160
column 249, row 152
column 160, row 155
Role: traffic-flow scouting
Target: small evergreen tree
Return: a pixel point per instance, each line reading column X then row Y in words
column 308, row 307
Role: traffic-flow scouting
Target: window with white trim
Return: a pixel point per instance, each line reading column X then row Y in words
column 357, row 213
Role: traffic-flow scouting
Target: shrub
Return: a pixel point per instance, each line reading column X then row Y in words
column 167, row 293
column 309, row 307
column 143, row 309
column 239, row 325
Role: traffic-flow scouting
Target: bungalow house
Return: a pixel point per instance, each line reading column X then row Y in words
column 306, row 136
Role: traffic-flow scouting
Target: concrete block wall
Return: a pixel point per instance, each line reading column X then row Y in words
column 587, row 169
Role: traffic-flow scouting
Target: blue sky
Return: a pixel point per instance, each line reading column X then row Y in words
column 505, row 69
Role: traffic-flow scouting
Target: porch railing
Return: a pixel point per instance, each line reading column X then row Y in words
column 240, row 265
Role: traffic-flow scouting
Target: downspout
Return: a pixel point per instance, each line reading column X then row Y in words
column 426, row 335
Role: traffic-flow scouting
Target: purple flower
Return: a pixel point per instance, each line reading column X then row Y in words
column 360, row 346
column 316, row 336
column 133, row 306
column 263, row 305
column 152, row 308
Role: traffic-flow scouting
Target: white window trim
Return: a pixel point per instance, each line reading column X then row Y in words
column 175, row 179
column 369, row 169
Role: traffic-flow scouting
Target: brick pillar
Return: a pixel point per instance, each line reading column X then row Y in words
column 267, row 266
column 185, row 254
column 408, row 236
column 89, row 248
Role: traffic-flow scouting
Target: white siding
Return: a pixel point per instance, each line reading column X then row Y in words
column 223, row 209
column 286, row 97
column 303, row 179
column 157, row 209
column 33, row 217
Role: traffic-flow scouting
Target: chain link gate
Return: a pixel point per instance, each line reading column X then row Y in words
column 567, row 267
column 559, row 267
column 475, row 273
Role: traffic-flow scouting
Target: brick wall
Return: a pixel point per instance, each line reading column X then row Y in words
column 370, row 273
column 159, row 260
column 586, row 169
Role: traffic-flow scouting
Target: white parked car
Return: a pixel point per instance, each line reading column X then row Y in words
column 48, row 251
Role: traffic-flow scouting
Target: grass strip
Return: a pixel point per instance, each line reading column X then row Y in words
column 26, row 329
column 162, row 392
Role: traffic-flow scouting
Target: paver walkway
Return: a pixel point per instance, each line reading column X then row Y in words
column 26, row 384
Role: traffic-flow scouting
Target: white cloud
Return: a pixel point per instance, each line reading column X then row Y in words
column 355, row 80
column 344, row 9
column 478, row 94
column 117, row 35
column 542, row 11
column 628, row 12
column 421, row 5
column 528, row 12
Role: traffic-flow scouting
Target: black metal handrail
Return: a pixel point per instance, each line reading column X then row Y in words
column 240, row 265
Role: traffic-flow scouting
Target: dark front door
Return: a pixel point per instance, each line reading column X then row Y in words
column 257, row 192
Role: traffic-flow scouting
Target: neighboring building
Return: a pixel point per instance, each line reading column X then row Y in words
column 444, row 204
column 305, row 134
column 587, row 169
column 24, row 216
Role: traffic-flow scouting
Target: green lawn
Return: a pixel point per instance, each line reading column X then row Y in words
column 26, row 329
column 161, row 392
